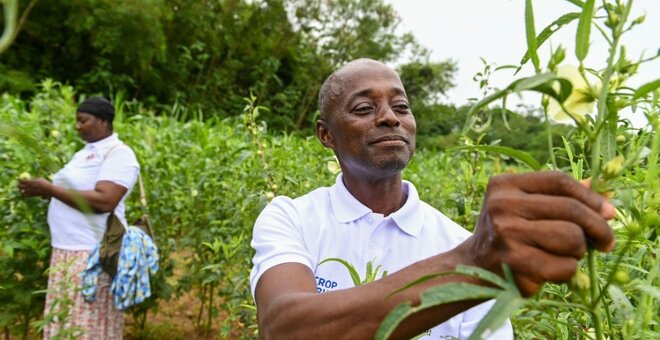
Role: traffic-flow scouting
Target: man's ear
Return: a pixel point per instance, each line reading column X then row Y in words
column 323, row 134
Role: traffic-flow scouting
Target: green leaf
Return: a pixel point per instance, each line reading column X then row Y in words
column 567, row 147
column 434, row 296
column 531, row 82
column 584, row 31
column 621, row 302
column 608, row 141
column 531, row 34
column 576, row 3
column 651, row 290
column 549, row 30
column 539, row 83
column 392, row 320
column 507, row 302
column 522, row 156
column 351, row 270
column 646, row 88
column 543, row 83
column 482, row 274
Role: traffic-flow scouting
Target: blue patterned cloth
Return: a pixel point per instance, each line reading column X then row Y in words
column 138, row 261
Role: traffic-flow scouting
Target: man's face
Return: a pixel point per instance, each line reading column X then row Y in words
column 370, row 126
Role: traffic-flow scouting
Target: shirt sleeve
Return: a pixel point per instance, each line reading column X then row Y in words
column 277, row 238
column 474, row 315
column 120, row 167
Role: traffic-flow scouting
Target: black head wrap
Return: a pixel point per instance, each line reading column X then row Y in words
column 99, row 107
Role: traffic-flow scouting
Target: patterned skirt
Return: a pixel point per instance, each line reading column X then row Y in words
column 66, row 313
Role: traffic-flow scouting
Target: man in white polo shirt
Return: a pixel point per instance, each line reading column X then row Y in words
column 538, row 224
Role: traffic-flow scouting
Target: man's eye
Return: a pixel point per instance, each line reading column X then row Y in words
column 362, row 109
column 402, row 107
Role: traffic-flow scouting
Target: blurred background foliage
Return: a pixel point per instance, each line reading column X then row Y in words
column 209, row 55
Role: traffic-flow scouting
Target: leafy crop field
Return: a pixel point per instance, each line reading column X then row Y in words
column 206, row 182
column 207, row 179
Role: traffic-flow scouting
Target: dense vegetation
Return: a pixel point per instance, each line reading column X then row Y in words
column 206, row 182
column 179, row 72
column 201, row 58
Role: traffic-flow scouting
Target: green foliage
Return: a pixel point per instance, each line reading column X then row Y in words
column 206, row 56
column 370, row 275
column 205, row 183
column 603, row 300
column 505, row 292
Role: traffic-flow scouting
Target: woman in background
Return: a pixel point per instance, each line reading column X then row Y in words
column 82, row 194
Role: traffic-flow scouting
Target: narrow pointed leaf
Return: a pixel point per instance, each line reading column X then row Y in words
column 392, row 320
column 434, row 296
column 531, row 82
column 608, row 141
column 482, row 274
column 584, row 30
column 567, row 147
column 351, row 270
column 651, row 290
column 576, row 3
column 620, row 301
column 543, row 83
column 517, row 154
column 549, row 30
column 506, row 304
column 453, row 292
column 531, row 34
column 646, row 88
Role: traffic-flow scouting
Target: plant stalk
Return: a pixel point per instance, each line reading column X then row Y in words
column 594, row 311
column 548, row 129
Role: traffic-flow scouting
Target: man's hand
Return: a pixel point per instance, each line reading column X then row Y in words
column 539, row 224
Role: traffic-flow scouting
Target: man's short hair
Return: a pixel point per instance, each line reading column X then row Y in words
column 325, row 93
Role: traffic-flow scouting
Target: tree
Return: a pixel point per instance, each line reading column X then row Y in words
column 204, row 55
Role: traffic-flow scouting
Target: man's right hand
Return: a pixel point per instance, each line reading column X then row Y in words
column 539, row 224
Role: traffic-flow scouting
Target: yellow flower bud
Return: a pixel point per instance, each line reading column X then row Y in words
column 621, row 277
column 613, row 168
column 639, row 20
column 580, row 282
column 612, row 20
column 24, row 175
column 194, row 192
column 270, row 195
column 633, row 228
column 652, row 219
column 620, row 139
column 55, row 134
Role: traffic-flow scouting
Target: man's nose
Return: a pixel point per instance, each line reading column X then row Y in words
column 386, row 116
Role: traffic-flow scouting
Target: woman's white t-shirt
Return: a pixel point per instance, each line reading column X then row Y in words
column 106, row 160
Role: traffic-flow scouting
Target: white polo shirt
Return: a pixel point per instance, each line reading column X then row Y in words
column 70, row 229
column 330, row 223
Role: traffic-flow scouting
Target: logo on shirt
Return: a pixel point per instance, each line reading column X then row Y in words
column 90, row 157
column 324, row 285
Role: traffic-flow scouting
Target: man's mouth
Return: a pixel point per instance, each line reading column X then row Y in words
column 390, row 140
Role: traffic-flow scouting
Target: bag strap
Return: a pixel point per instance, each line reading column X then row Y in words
column 145, row 215
column 143, row 197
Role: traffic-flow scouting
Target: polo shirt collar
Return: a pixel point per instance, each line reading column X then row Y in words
column 347, row 208
column 106, row 142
